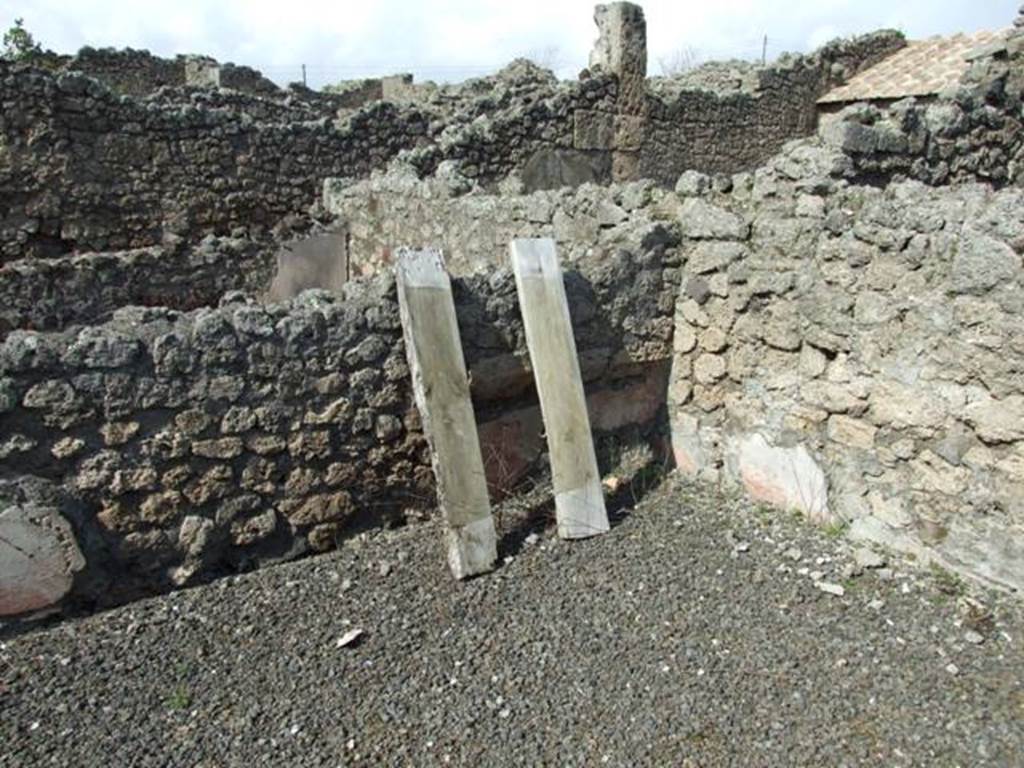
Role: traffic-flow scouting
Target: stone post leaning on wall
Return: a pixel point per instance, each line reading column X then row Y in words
column 621, row 49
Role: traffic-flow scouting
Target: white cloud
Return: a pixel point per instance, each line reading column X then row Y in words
column 463, row 37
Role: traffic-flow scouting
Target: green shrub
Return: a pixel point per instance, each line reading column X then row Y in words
column 19, row 45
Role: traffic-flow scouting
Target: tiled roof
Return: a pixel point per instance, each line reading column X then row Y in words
column 922, row 68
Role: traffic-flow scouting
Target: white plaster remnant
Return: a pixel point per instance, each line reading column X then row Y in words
column 783, row 477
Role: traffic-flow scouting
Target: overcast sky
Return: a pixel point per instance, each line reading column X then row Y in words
column 343, row 39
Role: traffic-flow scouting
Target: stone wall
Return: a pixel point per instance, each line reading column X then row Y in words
column 836, row 332
column 853, row 352
column 356, row 93
column 843, row 347
column 294, row 105
column 353, row 94
column 474, row 227
column 128, row 71
column 973, row 134
column 52, row 294
column 139, row 73
column 239, row 77
column 609, row 233
column 519, row 120
column 84, row 169
column 87, row 167
column 732, row 121
column 191, row 444
column 200, row 441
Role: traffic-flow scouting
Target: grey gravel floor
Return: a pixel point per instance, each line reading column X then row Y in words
column 694, row 634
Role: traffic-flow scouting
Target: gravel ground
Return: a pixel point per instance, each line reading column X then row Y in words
column 699, row 632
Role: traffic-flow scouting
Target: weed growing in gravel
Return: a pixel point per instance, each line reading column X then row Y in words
column 836, row 529
column 764, row 513
column 180, row 698
column 634, row 463
column 648, row 477
column 947, row 582
column 700, row 735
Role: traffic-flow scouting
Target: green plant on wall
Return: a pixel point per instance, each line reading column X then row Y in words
column 19, row 45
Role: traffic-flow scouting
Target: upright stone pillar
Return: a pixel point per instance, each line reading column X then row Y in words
column 621, row 49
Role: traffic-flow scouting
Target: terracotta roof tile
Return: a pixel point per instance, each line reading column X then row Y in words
column 922, row 68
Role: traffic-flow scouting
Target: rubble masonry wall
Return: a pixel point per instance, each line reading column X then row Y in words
column 854, row 352
column 192, row 444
